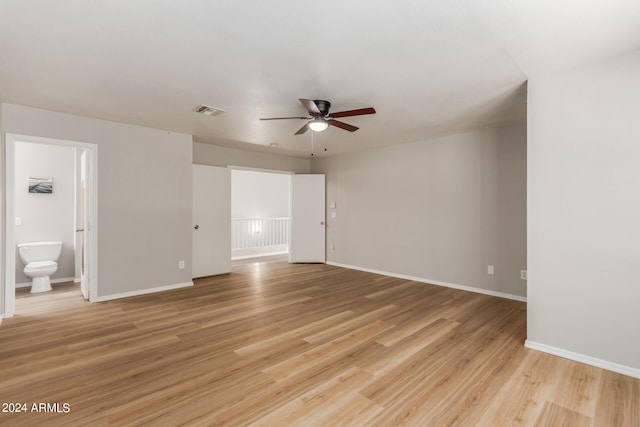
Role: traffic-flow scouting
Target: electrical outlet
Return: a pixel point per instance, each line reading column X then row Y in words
column 332, row 247
column 523, row 274
column 490, row 270
column 18, row 220
column 181, row 265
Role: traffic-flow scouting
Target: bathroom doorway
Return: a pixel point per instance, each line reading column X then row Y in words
column 65, row 210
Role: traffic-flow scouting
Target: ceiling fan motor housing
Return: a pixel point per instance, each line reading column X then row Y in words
column 323, row 106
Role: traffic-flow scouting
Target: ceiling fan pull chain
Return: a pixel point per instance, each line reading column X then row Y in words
column 312, row 143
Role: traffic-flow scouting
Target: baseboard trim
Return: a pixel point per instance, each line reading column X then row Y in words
column 141, row 292
column 433, row 282
column 62, row 280
column 582, row 358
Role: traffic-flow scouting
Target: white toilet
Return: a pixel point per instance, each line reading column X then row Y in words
column 40, row 262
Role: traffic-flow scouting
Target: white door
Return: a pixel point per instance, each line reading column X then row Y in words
column 211, row 221
column 83, row 228
column 307, row 219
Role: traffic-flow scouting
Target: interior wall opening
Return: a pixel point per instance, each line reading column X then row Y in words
column 260, row 213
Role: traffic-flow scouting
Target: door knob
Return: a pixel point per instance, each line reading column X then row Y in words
column 196, row 227
column 78, row 230
column 321, row 222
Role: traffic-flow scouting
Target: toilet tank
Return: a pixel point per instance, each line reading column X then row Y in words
column 39, row 251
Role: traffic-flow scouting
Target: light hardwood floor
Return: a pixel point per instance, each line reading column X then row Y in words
column 275, row 344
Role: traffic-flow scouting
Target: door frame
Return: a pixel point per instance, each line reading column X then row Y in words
column 9, row 214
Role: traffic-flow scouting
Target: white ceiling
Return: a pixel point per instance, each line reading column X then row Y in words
column 428, row 67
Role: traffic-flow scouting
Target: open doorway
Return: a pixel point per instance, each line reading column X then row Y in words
column 50, row 197
column 260, row 213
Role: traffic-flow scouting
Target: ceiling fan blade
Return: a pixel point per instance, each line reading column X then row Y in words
column 303, row 129
column 343, row 125
column 311, row 106
column 285, row 118
column 348, row 113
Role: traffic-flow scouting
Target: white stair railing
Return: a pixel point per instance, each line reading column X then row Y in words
column 249, row 233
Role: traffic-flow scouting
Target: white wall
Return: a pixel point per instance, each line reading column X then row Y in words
column 144, row 196
column 46, row 217
column 440, row 210
column 259, row 194
column 213, row 155
column 584, row 212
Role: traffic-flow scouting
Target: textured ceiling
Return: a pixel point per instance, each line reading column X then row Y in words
column 428, row 67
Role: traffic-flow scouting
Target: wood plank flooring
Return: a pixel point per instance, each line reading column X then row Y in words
column 274, row 344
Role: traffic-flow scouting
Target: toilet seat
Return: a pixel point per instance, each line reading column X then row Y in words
column 41, row 265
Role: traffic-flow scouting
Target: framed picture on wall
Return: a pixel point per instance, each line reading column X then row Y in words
column 40, row 185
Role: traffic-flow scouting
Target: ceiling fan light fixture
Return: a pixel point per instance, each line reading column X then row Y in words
column 318, row 125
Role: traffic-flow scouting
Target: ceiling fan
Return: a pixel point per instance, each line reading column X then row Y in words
column 321, row 119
